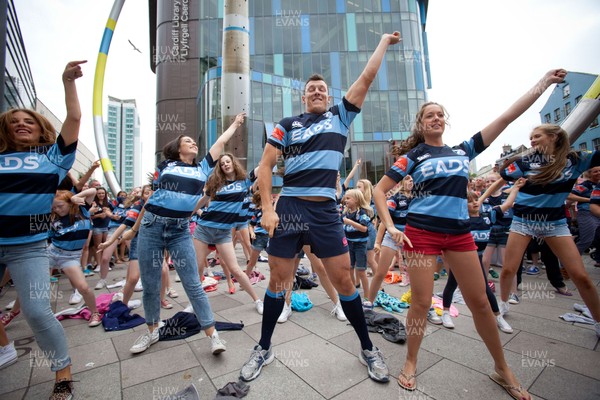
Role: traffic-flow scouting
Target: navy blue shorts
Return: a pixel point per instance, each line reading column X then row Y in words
column 499, row 236
column 304, row 222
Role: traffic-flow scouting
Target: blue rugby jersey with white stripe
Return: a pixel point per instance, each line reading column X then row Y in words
column 492, row 201
column 133, row 213
column 121, row 211
column 440, row 175
column 480, row 230
column 398, row 208
column 313, row 147
column 545, row 203
column 584, row 189
column 178, row 187
column 352, row 234
column 224, row 211
column 71, row 237
column 28, row 182
column 255, row 222
column 595, row 197
column 102, row 222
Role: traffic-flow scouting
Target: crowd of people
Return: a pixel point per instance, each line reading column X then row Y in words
column 424, row 218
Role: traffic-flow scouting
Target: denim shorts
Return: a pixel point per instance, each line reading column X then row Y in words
column 260, row 242
column 209, row 235
column 59, row 258
column 99, row 231
column 240, row 226
column 372, row 237
column 388, row 241
column 133, row 256
column 358, row 255
column 111, row 231
column 540, row 229
column 498, row 236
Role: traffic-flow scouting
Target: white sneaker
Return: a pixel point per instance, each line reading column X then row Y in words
column 8, row 355
column 447, row 320
column 503, row 307
column 138, row 286
column 217, row 346
column 260, row 306
column 513, row 299
column 339, row 312
column 117, row 297
column 101, row 284
column 189, row 309
column 133, row 304
column 75, row 297
column 285, row 313
column 433, row 317
column 177, row 278
column 10, row 305
column 145, row 341
column 503, row 325
column 97, row 269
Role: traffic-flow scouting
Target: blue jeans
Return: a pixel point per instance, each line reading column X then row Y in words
column 156, row 235
column 29, row 269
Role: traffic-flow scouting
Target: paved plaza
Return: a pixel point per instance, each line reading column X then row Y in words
column 316, row 355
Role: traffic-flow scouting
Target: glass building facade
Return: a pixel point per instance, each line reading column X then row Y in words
column 291, row 40
column 18, row 90
column 123, row 141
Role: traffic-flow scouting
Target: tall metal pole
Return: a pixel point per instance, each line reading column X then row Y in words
column 584, row 113
column 235, row 77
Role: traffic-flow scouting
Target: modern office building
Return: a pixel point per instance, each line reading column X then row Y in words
column 123, row 141
column 563, row 100
column 16, row 88
column 289, row 41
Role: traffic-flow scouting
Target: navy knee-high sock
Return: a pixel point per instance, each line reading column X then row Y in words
column 274, row 303
column 352, row 306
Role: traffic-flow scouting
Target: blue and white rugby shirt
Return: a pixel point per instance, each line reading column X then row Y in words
column 480, row 231
column 595, row 197
column 545, row 203
column 178, row 187
column 359, row 216
column 584, row 189
column 256, row 222
column 28, row 182
column 71, row 237
column 440, row 175
column 398, row 208
column 313, row 147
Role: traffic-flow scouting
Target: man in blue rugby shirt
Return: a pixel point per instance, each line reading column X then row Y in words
column 312, row 146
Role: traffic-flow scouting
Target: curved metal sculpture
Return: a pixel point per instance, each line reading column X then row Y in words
column 107, row 167
column 584, row 113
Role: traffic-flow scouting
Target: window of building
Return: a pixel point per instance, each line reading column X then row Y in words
column 596, row 144
column 577, row 99
column 566, row 91
column 583, row 146
column 567, row 108
column 547, row 118
column 557, row 114
column 594, row 123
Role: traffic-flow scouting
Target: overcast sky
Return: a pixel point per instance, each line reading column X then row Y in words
column 483, row 55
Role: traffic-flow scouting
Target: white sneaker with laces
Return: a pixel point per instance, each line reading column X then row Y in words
column 8, row 355
column 133, row 304
column 513, row 299
column 101, row 284
column 138, row 286
column 177, row 278
column 339, row 312
column 217, row 345
column 260, row 306
column 447, row 320
column 285, row 313
column 503, row 325
column 503, row 307
column 433, row 317
column 145, row 341
column 10, row 305
column 75, row 297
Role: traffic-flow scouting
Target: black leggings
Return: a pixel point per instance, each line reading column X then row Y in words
column 451, row 286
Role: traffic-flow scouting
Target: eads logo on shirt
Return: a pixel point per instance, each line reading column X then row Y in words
column 12, row 163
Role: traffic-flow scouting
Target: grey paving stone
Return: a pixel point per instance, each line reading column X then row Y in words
column 245, row 313
column 83, row 358
column 239, row 345
column 557, row 383
column 371, row 390
column 123, row 343
column 15, row 376
column 320, row 322
column 325, row 367
column 285, row 332
column 169, row 386
column 16, row 395
column 276, row 382
column 223, row 302
column 538, row 350
column 81, row 334
column 147, row 367
column 464, row 325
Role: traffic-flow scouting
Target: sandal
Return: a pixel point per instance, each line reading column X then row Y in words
column 564, row 291
column 515, row 392
column 408, row 386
